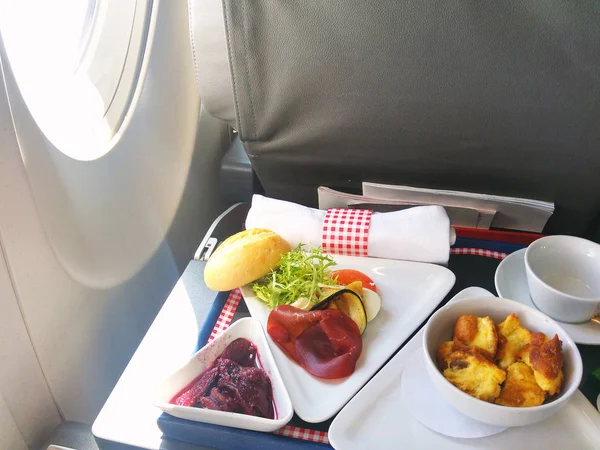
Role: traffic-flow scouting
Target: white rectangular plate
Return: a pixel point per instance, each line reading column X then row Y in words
column 378, row 418
column 409, row 293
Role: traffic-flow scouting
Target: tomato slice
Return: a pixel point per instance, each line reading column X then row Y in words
column 347, row 276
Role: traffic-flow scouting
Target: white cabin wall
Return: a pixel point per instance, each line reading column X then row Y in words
column 27, row 410
column 63, row 221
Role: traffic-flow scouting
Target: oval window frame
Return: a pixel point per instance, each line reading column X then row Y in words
column 81, row 113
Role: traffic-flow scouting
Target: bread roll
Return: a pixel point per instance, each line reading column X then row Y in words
column 244, row 257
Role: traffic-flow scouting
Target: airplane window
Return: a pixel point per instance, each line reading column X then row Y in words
column 76, row 63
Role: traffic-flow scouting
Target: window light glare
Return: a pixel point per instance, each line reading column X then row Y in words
column 68, row 59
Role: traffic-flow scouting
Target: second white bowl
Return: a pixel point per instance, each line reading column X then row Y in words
column 439, row 329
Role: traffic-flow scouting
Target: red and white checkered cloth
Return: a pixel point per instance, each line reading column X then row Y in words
column 227, row 313
column 304, row 433
column 478, row 252
column 346, row 231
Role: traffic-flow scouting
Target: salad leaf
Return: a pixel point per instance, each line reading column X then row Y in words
column 298, row 274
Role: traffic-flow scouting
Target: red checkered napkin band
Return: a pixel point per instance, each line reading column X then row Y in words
column 346, row 231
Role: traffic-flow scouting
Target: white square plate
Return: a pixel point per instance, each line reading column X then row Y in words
column 244, row 328
column 409, row 292
column 378, row 417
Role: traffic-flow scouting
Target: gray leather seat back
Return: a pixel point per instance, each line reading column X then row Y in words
column 496, row 97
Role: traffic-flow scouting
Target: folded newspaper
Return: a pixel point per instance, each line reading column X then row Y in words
column 465, row 209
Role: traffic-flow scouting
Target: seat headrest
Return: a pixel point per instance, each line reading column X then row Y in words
column 211, row 61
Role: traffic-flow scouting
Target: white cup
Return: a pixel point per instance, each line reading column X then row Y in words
column 563, row 274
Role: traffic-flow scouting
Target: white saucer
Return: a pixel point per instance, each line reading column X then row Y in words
column 432, row 410
column 511, row 283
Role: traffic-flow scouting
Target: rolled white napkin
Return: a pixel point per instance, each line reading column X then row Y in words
column 422, row 233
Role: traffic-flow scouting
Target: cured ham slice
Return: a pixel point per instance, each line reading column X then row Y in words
column 326, row 343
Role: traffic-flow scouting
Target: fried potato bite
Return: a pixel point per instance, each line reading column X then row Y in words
column 504, row 364
column 545, row 357
column 442, row 354
column 472, row 373
column 512, row 337
column 451, row 346
column 477, row 332
column 520, row 388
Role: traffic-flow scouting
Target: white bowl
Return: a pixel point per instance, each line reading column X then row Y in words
column 563, row 274
column 439, row 329
column 244, row 328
